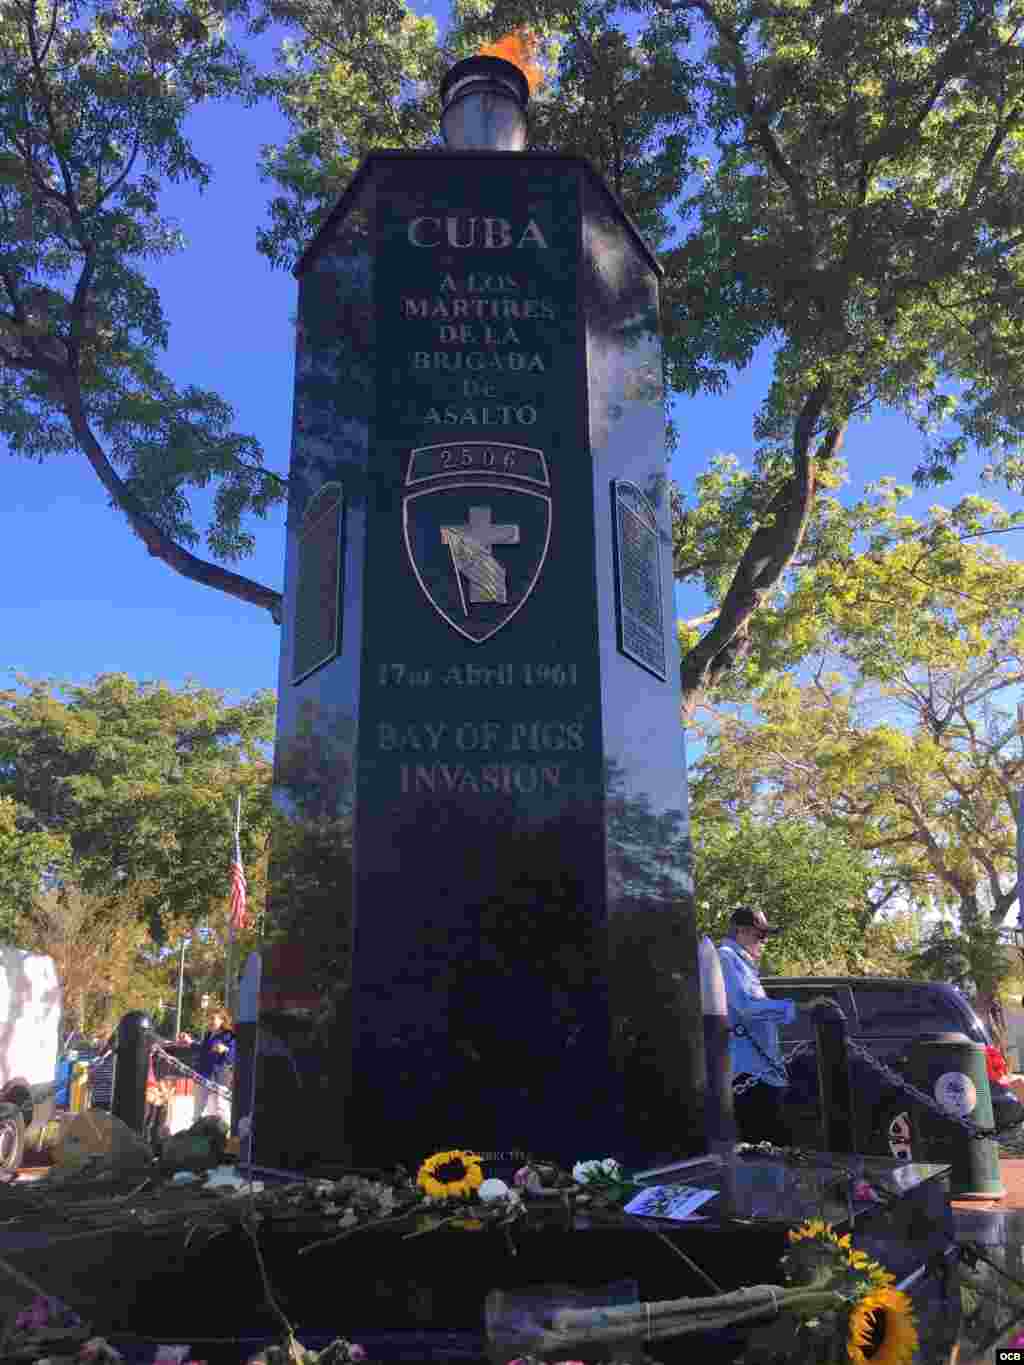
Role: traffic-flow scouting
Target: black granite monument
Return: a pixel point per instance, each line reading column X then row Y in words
column 480, row 891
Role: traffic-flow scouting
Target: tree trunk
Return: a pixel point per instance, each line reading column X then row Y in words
column 992, row 1016
column 160, row 545
column 771, row 550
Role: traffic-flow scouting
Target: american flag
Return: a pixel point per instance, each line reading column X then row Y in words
column 239, row 915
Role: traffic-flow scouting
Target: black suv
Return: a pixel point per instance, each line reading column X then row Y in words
column 884, row 1016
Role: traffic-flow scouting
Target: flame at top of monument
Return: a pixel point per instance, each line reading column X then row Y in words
column 519, row 48
column 484, row 99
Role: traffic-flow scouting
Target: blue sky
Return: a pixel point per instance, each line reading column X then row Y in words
column 83, row 597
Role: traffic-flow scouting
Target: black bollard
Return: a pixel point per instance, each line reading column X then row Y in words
column 133, row 1041
column 835, row 1087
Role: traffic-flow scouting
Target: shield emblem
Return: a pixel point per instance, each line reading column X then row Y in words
column 477, row 526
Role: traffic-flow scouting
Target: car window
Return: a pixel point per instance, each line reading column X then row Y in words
column 906, row 1012
column 803, row 1025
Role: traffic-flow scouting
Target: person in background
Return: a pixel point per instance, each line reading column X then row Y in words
column 754, row 1021
column 217, row 1064
column 159, row 1091
column 997, row 1025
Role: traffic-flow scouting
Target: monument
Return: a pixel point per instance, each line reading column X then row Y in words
column 483, row 932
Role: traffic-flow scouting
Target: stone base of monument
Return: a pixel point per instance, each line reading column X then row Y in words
column 422, row 1299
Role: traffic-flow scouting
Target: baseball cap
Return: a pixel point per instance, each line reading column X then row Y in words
column 749, row 918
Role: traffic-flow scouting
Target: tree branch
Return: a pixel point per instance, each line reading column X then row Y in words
column 156, row 541
column 988, row 156
column 766, row 558
column 759, row 124
column 701, row 620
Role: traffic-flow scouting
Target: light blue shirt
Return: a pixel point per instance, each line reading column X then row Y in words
column 751, row 1007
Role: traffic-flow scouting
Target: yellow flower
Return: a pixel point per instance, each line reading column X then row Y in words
column 815, row 1227
column 883, row 1321
column 450, row 1173
column 860, row 1260
column 470, row 1224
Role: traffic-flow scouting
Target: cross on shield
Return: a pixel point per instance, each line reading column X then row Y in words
column 477, row 541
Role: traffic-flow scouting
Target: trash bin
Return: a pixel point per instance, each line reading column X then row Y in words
column 953, row 1070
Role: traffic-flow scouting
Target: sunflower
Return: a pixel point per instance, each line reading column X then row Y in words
column 882, row 1329
column 859, row 1260
column 813, row 1228
column 447, row 1174
column 818, row 1228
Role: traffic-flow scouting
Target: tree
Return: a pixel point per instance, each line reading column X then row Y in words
column 889, row 943
column 101, row 958
column 907, row 746
column 809, row 881
column 93, row 102
column 24, row 857
column 849, row 179
column 863, row 210
column 141, row 781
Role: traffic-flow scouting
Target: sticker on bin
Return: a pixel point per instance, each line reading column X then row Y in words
column 956, row 1093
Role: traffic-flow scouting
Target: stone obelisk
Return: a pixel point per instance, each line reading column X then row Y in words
column 479, row 883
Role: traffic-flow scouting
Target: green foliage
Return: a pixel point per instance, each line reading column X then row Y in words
column 24, row 857
column 809, row 881
column 976, row 960
column 94, row 99
column 99, row 951
column 351, row 79
column 358, row 78
column 848, row 179
column 140, row 782
column 903, row 739
column 628, row 105
column 867, row 198
column 863, row 213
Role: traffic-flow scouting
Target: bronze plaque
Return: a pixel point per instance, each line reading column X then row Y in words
column 641, row 618
column 318, row 592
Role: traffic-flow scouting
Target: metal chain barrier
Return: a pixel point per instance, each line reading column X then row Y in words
column 893, row 1078
column 741, row 1087
column 798, row 1051
column 187, row 1071
column 898, row 1082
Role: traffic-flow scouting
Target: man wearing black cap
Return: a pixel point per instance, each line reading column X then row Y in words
column 754, row 1022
